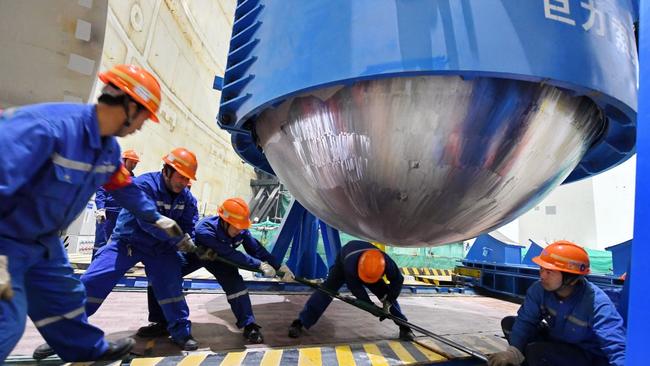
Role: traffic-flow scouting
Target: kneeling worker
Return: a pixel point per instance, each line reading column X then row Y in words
column 565, row 319
column 221, row 236
column 358, row 265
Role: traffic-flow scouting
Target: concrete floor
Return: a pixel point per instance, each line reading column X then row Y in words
column 213, row 321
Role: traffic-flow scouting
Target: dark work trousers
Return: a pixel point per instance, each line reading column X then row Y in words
column 230, row 280
column 542, row 351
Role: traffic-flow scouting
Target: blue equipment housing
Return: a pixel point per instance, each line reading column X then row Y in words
column 533, row 251
column 621, row 257
column 282, row 48
column 503, row 271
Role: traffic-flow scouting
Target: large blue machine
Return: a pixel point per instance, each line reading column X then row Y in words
column 283, row 48
column 419, row 123
column 424, row 122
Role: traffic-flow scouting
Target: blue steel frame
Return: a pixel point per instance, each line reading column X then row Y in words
column 638, row 352
column 135, row 283
column 504, row 272
column 300, row 231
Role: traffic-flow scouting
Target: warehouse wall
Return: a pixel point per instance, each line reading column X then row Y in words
column 183, row 42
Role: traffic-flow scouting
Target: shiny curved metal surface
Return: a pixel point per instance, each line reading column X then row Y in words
column 423, row 161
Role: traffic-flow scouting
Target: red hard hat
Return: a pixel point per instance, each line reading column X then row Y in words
column 183, row 161
column 235, row 211
column 138, row 83
column 371, row 266
column 131, row 155
column 564, row 256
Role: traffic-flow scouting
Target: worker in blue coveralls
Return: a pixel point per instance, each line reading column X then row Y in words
column 133, row 241
column 565, row 319
column 54, row 156
column 359, row 265
column 107, row 208
column 221, row 236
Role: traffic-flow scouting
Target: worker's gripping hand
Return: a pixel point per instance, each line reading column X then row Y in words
column 169, row 226
column 6, row 292
column 386, row 304
column 186, row 244
column 267, row 269
column 511, row 356
column 100, row 215
column 287, row 275
column 206, row 254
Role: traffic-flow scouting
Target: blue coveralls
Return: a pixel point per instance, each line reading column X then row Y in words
column 209, row 233
column 133, row 241
column 103, row 230
column 587, row 319
column 344, row 271
column 52, row 161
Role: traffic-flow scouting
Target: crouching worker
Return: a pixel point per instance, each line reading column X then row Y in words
column 358, row 265
column 136, row 241
column 565, row 319
column 221, row 236
column 54, row 156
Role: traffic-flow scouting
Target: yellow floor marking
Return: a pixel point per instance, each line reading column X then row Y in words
column 233, row 359
column 309, row 356
column 374, row 355
column 193, row 360
column 146, row 361
column 401, row 352
column 429, row 353
column 426, row 271
column 344, row 356
column 271, row 357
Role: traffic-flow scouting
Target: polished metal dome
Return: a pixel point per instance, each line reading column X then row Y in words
column 427, row 160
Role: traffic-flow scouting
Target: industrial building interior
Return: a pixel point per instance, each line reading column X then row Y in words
column 463, row 140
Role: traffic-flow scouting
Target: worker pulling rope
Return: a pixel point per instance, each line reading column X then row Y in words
column 363, row 305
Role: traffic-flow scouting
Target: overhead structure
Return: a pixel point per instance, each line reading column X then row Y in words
column 419, row 123
column 50, row 51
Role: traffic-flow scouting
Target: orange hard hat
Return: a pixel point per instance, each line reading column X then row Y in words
column 138, row 83
column 183, row 161
column 564, row 256
column 235, row 212
column 372, row 265
column 131, row 154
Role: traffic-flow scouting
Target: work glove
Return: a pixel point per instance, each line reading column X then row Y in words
column 287, row 275
column 386, row 303
column 267, row 269
column 186, row 244
column 206, row 254
column 511, row 356
column 385, row 306
column 169, row 226
column 100, row 215
column 6, row 292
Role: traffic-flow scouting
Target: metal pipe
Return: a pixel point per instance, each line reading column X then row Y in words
column 371, row 308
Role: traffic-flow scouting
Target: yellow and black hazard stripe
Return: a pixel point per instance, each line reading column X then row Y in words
column 413, row 271
column 386, row 353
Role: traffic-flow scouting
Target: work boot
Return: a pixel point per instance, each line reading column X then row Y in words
column 116, row 350
column 153, row 330
column 43, row 351
column 189, row 344
column 252, row 333
column 406, row 334
column 295, row 329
